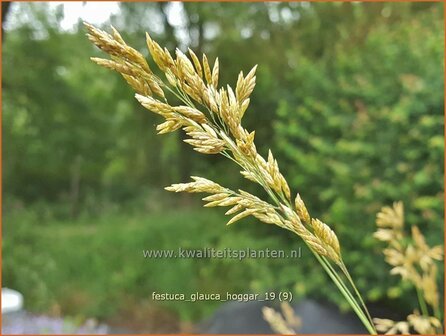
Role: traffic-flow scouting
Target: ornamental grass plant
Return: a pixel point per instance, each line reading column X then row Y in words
column 211, row 117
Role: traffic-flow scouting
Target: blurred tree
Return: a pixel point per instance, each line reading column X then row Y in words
column 6, row 5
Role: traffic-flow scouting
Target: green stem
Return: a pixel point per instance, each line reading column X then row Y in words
column 348, row 296
column 333, row 271
column 342, row 282
column 186, row 97
column 437, row 313
column 358, row 294
column 422, row 303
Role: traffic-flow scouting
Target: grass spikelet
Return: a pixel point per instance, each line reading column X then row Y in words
column 301, row 210
column 207, row 70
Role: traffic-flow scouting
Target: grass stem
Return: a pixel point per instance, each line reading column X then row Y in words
column 347, row 295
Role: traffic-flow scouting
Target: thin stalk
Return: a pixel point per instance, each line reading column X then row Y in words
column 364, row 308
column 221, row 123
column 422, row 303
column 347, row 295
column 437, row 313
column 424, row 310
column 186, row 97
column 358, row 294
column 175, row 94
column 341, row 281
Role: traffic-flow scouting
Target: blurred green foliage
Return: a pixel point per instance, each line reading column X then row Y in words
column 349, row 97
column 94, row 266
column 361, row 127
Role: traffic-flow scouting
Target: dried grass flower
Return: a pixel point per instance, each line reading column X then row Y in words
column 415, row 261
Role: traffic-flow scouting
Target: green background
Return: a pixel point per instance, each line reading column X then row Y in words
column 349, row 98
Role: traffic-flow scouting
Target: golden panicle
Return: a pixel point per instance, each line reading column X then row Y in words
column 227, row 201
column 211, row 118
column 213, row 126
column 156, row 88
column 269, row 216
column 414, row 260
column 407, row 258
